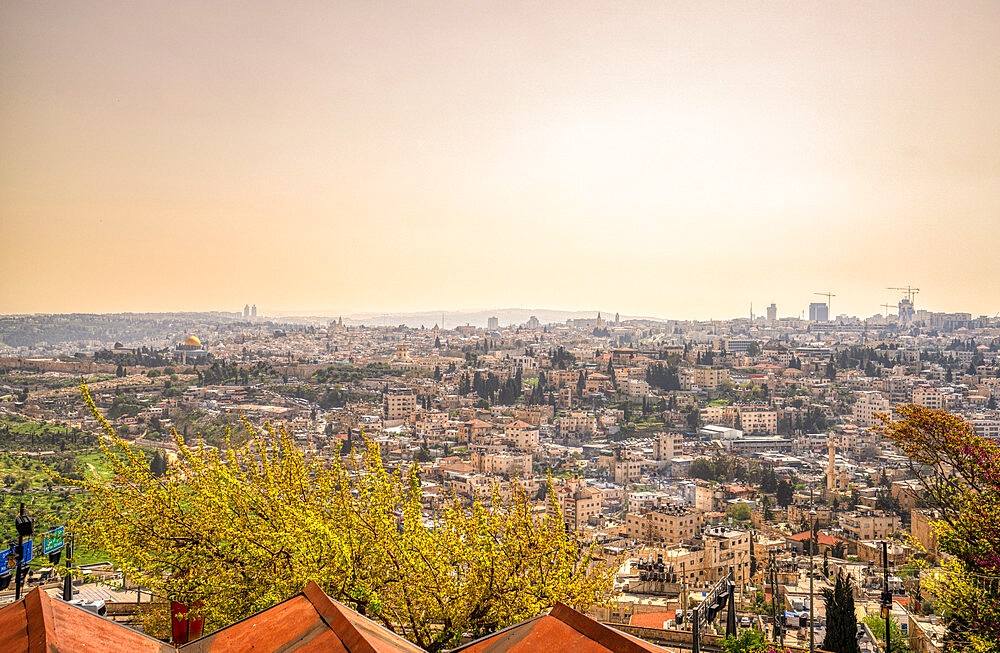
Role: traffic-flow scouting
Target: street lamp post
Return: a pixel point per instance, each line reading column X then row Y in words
column 812, row 613
column 68, row 579
column 25, row 526
column 778, row 634
column 886, row 596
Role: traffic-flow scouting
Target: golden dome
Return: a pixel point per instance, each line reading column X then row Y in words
column 192, row 341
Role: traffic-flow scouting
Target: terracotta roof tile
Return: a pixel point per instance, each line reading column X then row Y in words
column 40, row 623
column 563, row 630
column 652, row 619
column 310, row 621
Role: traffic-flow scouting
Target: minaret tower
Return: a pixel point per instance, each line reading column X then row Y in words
column 831, row 468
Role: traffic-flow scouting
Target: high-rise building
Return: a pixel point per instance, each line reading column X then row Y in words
column 772, row 313
column 253, row 311
column 819, row 312
column 399, row 403
column 905, row 311
column 246, row 310
column 493, row 323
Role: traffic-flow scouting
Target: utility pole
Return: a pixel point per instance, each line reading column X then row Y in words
column 812, row 613
column 886, row 596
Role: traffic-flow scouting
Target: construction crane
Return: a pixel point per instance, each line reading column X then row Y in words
column 908, row 291
column 886, row 307
column 828, row 295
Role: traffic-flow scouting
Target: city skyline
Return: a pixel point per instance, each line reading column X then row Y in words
column 679, row 160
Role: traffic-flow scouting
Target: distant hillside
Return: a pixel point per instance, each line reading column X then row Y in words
column 478, row 318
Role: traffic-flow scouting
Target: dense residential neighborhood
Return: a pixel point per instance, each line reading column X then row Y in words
column 682, row 449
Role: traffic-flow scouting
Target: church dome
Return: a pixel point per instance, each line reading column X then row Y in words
column 192, row 341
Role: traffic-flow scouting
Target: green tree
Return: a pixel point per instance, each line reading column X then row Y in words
column 243, row 528
column 784, row 493
column 739, row 512
column 702, row 468
column 765, row 504
column 877, row 625
column 841, row 623
column 693, row 419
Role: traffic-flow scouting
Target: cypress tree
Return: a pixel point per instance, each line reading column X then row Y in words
column 841, row 622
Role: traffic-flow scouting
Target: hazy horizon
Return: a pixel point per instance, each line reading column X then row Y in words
column 609, row 315
column 673, row 159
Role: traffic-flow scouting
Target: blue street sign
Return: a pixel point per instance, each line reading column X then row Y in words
column 7, row 556
column 6, row 560
column 54, row 540
column 29, row 552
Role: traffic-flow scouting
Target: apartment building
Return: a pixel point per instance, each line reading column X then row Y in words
column 637, row 389
column 721, row 547
column 869, row 404
column 928, row 397
column 898, row 388
column 399, row 403
column 986, row 427
column 535, row 415
column 870, row 525
column 562, row 378
column 698, row 493
column 706, row 378
column 722, row 415
column 598, row 382
column 579, row 503
column 577, row 424
column 523, row 436
column 666, row 446
column 640, row 502
column 502, row 463
column 739, row 345
column 628, row 469
column 758, row 420
column 669, row 524
column 473, row 430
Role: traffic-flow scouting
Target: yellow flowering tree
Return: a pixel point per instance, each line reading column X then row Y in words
column 960, row 477
column 245, row 527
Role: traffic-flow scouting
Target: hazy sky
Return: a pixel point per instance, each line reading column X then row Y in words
column 677, row 159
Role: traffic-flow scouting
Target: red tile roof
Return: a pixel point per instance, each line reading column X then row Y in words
column 652, row 619
column 822, row 540
column 310, row 621
column 563, row 630
column 41, row 623
column 307, row 622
